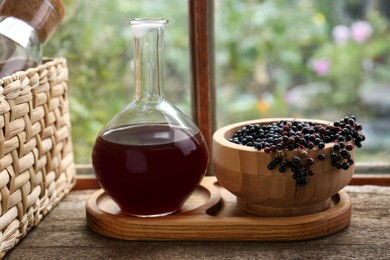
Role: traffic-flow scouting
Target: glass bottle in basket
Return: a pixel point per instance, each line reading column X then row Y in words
column 24, row 27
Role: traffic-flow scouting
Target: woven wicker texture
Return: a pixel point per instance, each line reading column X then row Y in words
column 36, row 159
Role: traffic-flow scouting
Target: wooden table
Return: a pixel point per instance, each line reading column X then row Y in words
column 64, row 234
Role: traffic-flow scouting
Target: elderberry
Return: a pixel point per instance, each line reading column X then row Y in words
column 321, row 157
column 282, row 136
column 310, row 161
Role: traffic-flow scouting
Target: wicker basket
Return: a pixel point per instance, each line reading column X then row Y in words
column 36, row 159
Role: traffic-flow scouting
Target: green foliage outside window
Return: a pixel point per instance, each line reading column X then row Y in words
column 273, row 58
column 97, row 43
column 311, row 59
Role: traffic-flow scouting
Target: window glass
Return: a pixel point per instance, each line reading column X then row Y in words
column 306, row 59
column 274, row 58
column 97, row 43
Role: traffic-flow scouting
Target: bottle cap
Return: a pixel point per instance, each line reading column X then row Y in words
column 43, row 15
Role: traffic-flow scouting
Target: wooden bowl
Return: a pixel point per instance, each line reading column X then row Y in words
column 244, row 172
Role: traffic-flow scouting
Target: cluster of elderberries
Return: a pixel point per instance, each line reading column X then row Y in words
column 284, row 135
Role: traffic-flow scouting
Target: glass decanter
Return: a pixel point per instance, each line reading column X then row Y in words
column 150, row 157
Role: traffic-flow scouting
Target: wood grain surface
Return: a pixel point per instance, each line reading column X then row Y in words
column 212, row 214
column 64, row 234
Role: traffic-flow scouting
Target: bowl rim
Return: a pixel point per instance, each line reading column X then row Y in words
column 219, row 136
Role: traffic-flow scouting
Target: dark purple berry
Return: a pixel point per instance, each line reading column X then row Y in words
column 310, row 161
column 321, row 157
column 345, row 166
column 334, row 156
column 271, row 165
column 296, row 159
column 282, row 169
column 284, row 135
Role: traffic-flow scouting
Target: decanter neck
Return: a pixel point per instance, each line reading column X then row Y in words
column 148, row 44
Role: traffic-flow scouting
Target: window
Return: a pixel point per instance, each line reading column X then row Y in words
column 322, row 60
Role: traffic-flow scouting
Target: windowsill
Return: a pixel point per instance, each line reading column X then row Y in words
column 365, row 174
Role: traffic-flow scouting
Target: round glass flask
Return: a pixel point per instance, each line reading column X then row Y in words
column 150, row 157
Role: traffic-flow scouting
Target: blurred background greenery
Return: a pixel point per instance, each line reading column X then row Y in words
column 97, row 43
column 274, row 58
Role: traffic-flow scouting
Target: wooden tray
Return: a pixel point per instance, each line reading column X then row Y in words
column 211, row 213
